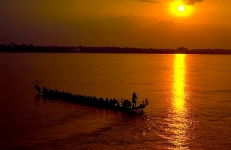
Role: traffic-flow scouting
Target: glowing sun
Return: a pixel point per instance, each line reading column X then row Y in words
column 177, row 8
column 181, row 8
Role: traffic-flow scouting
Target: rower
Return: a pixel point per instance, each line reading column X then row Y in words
column 134, row 98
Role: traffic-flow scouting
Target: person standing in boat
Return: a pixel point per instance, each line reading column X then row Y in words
column 134, row 98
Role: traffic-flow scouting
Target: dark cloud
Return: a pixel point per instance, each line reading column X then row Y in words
column 149, row 1
column 192, row 2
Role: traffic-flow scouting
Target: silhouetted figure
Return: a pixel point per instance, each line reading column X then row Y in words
column 134, row 98
column 107, row 102
column 146, row 101
column 117, row 104
column 126, row 103
column 37, row 87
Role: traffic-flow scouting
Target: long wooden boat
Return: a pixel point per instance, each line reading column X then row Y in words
column 125, row 104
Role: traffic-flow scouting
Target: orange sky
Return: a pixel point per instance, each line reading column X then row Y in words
column 123, row 23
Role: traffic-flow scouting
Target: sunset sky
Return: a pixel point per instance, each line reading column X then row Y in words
column 122, row 23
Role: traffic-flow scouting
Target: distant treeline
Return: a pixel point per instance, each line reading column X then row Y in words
column 81, row 49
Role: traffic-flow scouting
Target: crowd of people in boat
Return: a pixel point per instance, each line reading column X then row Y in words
column 91, row 100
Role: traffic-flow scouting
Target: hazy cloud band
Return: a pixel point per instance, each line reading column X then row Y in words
column 149, row 1
column 192, row 2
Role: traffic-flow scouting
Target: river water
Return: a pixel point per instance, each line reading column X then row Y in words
column 189, row 101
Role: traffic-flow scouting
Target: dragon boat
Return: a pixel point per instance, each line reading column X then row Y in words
column 125, row 104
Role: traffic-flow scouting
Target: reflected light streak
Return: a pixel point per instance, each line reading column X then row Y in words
column 179, row 83
column 179, row 123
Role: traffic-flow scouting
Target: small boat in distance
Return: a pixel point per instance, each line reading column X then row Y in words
column 125, row 104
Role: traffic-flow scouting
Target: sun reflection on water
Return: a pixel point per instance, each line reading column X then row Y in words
column 178, row 125
column 179, row 83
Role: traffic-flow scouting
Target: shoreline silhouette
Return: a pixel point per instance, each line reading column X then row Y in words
column 130, row 50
